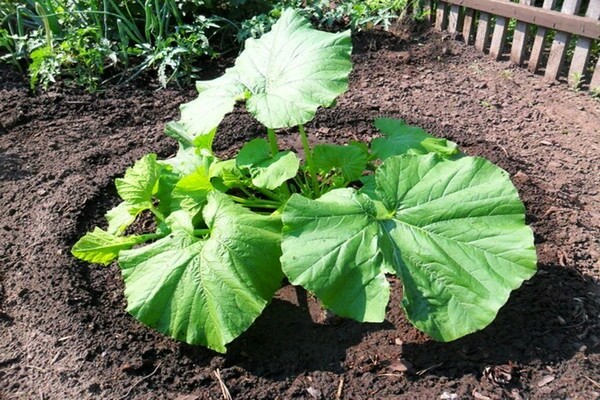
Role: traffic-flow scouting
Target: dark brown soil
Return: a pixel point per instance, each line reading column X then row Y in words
column 64, row 333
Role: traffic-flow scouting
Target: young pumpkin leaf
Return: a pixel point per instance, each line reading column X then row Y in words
column 226, row 175
column 186, row 162
column 400, row 138
column 206, row 291
column 140, row 182
column 350, row 161
column 284, row 76
column 191, row 192
column 101, row 247
column 120, row 217
column 454, row 232
column 330, row 248
column 266, row 171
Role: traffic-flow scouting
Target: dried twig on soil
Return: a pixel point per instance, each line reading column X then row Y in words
column 140, row 381
column 340, row 388
column 36, row 368
column 592, row 381
column 224, row 390
column 56, row 357
column 423, row 371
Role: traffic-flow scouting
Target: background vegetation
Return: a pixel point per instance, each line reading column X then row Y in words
column 92, row 42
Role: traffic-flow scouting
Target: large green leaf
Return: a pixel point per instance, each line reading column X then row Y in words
column 350, row 161
column 101, row 247
column 294, row 69
column 206, row 291
column 400, row 138
column 459, row 237
column 140, row 182
column 284, row 76
column 454, row 232
column 201, row 117
column 330, row 248
column 266, row 171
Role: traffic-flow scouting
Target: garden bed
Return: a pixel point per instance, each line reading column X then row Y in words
column 65, row 334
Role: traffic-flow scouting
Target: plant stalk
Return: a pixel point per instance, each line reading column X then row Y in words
column 157, row 214
column 256, row 203
column 273, row 141
column 269, row 194
column 274, row 150
column 312, row 170
column 150, row 236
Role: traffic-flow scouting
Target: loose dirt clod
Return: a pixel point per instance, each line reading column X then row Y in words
column 546, row 380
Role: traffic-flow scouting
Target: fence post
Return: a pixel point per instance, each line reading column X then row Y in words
column 428, row 10
column 559, row 46
column 468, row 24
column 538, row 44
column 483, row 31
column 595, row 83
column 582, row 49
column 454, row 20
column 499, row 37
column 441, row 16
column 517, row 52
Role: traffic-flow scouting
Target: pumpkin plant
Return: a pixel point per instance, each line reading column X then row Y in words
column 450, row 226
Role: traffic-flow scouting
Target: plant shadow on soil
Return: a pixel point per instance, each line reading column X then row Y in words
column 11, row 167
column 286, row 341
column 539, row 324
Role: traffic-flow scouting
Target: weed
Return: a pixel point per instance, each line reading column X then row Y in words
column 506, row 74
column 576, row 79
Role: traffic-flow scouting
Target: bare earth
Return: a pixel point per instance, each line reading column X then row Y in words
column 64, row 333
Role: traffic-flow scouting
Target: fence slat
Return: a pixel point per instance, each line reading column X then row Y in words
column 582, row 49
column 574, row 24
column 454, row 19
column 483, row 31
column 595, row 83
column 499, row 37
column 559, row 46
column 427, row 10
column 468, row 24
column 538, row 44
column 517, row 52
column 441, row 17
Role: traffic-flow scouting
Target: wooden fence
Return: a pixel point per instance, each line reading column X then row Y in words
column 485, row 24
